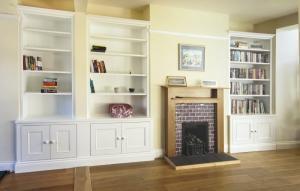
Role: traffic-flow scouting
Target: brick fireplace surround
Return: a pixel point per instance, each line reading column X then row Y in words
column 185, row 99
column 197, row 105
column 196, row 112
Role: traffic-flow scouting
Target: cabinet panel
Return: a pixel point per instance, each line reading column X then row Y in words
column 35, row 141
column 264, row 131
column 105, row 139
column 241, row 131
column 135, row 137
column 63, row 141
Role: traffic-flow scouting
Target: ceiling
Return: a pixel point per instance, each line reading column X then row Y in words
column 250, row 11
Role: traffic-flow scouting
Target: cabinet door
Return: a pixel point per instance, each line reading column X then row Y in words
column 264, row 130
column 135, row 137
column 35, row 143
column 106, row 138
column 63, row 141
column 242, row 131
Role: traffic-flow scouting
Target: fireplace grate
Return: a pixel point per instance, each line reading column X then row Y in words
column 193, row 145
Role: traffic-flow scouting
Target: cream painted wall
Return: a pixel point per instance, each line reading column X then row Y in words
column 239, row 26
column 117, row 11
column 67, row 5
column 164, row 54
column 271, row 25
column 9, row 84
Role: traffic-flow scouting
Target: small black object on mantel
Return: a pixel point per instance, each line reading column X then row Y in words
column 96, row 48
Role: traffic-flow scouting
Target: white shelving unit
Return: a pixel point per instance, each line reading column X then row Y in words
column 255, row 130
column 251, row 59
column 127, row 65
column 47, row 34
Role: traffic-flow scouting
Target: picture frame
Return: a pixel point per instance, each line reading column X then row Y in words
column 176, row 81
column 191, row 57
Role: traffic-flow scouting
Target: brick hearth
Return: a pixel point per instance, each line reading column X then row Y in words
column 196, row 112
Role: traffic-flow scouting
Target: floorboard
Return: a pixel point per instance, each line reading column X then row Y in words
column 263, row 171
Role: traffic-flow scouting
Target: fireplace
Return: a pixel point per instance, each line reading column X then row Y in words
column 195, row 127
column 195, row 138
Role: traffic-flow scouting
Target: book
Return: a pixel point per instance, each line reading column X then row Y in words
column 247, row 106
column 97, row 66
column 92, row 86
column 32, row 63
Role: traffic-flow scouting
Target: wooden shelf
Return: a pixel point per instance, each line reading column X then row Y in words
column 232, row 95
column 46, row 72
column 249, row 63
column 118, row 54
column 127, row 51
column 119, row 74
column 243, row 79
column 47, row 94
column 118, row 38
column 51, row 32
column 46, row 49
column 119, row 94
column 250, row 49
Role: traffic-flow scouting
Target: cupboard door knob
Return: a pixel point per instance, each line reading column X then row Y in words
column 122, row 138
column 118, row 138
column 51, row 142
column 45, row 142
column 255, row 131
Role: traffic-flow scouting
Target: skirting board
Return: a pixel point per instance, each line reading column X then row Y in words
column 33, row 166
column 7, row 166
column 288, row 145
column 265, row 147
column 251, row 148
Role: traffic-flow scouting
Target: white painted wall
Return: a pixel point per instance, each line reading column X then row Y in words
column 287, row 71
column 9, row 83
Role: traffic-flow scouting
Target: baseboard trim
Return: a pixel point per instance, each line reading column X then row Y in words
column 288, row 145
column 33, row 166
column 252, row 148
column 158, row 153
column 7, row 166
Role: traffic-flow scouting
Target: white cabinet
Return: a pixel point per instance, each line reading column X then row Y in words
column 106, row 139
column 63, row 141
column 35, row 140
column 252, row 133
column 44, row 142
column 135, row 137
column 117, row 138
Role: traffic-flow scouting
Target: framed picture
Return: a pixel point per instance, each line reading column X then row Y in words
column 191, row 57
column 176, row 81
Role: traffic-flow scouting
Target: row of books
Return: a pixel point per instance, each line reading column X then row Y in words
column 238, row 88
column 97, row 66
column 32, row 63
column 248, row 73
column 247, row 56
column 49, row 85
column 244, row 44
column 248, row 106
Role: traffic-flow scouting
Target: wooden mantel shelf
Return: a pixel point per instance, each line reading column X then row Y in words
column 192, row 94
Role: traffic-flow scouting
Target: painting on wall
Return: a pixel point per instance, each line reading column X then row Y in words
column 191, row 57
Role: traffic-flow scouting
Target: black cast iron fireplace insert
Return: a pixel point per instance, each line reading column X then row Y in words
column 195, row 137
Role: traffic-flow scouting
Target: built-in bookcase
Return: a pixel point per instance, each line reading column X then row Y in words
column 250, row 73
column 47, row 34
column 126, row 62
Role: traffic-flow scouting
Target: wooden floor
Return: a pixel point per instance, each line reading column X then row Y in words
column 276, row 171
